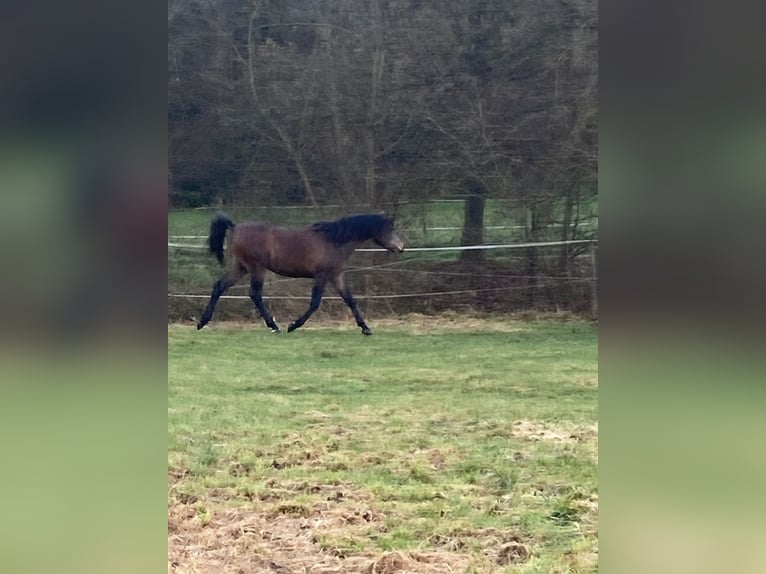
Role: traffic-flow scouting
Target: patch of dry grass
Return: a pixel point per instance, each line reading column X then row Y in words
column 270, row 540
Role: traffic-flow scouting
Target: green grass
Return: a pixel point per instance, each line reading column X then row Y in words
column 455, row 438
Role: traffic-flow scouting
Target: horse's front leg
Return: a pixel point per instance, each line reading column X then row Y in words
column 345, row 293
column 316, row 298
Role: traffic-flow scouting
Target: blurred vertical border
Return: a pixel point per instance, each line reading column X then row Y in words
column 682, row 176
column 83, row 196
column 83, row 350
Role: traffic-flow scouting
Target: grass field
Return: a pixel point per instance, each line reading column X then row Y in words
column 436, row 445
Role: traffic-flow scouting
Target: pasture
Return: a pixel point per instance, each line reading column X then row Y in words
column 439, row 444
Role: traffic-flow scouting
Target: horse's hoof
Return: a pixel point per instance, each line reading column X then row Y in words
column 366, row 331
column 291, row 327
column 275, row 331
column 200, row 325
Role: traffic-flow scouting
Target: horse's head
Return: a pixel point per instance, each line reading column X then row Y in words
column 388, row 239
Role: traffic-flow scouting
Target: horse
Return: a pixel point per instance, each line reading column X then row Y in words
column 319, row 251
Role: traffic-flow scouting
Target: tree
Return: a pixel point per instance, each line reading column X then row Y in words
column 382, row 102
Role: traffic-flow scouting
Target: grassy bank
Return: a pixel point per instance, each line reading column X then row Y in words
column 435, row 443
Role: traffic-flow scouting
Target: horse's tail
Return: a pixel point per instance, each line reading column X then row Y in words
column 218, row 228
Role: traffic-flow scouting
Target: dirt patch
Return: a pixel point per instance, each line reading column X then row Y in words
column 415, row 562
column 512, row 553
column 418, row 324
column 561, row 433
column 497, row 546
column 176, row 474
column 412, row 323
column 247, row 541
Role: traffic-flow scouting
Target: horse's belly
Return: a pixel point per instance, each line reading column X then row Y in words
column 289, row 271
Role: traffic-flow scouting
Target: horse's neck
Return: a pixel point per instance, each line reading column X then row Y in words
column 348, row 248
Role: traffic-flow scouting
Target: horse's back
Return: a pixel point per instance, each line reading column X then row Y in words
column 250, row 235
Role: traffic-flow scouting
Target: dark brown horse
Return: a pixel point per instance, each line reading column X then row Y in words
column 319, row 251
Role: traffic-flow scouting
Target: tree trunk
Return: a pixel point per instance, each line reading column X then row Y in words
column 292, row 151
column 531, row 252
column 569, row 202
column 339, row 140
column 376, row 80
column 473, row 228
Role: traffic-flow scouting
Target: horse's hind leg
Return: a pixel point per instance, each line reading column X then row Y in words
column 316, row 299
column 256, row 294
column 220, row 287
column 345, row 293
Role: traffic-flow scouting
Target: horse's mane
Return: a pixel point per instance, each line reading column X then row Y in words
column 353, row 227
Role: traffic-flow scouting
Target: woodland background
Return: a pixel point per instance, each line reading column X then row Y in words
column 471, row 121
